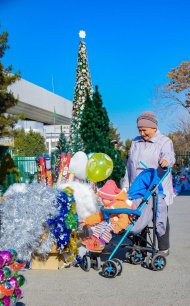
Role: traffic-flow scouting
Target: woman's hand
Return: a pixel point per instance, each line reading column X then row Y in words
column 164, row 163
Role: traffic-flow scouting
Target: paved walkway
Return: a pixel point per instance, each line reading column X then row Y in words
column 135, row 287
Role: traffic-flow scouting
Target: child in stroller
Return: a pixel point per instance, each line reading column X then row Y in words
column 112, row 198
column 148, row 198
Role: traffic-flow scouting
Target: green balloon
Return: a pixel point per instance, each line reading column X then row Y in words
column 7, row 272
column 99, row 167
column 13, row 298
column 21, row 280
column 2, row 303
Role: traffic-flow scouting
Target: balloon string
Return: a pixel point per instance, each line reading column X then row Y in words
column 95, row 187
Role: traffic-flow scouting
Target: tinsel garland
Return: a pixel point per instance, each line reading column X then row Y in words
column 23, row 216
column 64, row 225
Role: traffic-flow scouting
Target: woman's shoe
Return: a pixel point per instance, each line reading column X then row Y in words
column 165, row 252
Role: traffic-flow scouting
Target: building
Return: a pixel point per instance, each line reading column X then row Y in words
column 44, row 111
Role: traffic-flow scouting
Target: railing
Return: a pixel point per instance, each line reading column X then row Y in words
column 183, row 158
column 25, row 164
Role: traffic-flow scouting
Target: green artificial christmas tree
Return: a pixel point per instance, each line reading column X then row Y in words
column 94, row 127
column 83, row 83
column 95, row 133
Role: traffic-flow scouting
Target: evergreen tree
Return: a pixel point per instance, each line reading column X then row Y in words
column 95, row 133
column 7, row 98
column 62, row 145
column 83, row 82
column 28, row 144
column 8, row 168
column 89, row 132
column 94, row 127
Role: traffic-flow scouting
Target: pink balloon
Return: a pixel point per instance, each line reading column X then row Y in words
column 13, row 282
column 7, row 257
column 18, row 293
column 2, row 276
column 6, row 300
column 2, row 262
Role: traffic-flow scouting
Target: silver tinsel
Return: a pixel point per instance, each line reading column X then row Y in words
column 24, row 216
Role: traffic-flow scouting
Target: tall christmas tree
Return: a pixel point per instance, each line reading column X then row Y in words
column 83, row 85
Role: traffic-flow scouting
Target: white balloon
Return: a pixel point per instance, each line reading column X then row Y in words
column 78, row 165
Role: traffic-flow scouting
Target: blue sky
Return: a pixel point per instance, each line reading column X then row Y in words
column 131, row 47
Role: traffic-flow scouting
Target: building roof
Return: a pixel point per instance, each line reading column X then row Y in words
column 38, row 104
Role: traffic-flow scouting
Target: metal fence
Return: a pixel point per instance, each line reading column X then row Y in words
column 183, row 158
column 25, row 164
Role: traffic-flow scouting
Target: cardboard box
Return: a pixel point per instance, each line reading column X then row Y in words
column 54, row 261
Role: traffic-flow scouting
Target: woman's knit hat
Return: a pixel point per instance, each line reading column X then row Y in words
column 109, row 190
column 147, row 119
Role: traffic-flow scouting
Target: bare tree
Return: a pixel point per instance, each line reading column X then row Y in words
column 175, row 93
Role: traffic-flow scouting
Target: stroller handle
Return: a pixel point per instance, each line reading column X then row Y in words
column 107, row 212
column 168, row 169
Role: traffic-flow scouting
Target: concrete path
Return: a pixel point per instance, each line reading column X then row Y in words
column 136, row 286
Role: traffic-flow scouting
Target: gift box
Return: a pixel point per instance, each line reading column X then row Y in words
column 54, row 261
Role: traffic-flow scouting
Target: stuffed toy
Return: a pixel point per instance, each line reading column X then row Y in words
column 85, row 197
column 112, row 197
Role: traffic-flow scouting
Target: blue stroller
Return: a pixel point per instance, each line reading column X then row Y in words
column 146, row 187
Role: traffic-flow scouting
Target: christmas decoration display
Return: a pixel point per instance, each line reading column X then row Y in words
column 83, row 85
column 44, row 170
column 41, row 169
column 49, row 180
column 64, row 167
column 64, row 225
column 10, row 278
column 36, row 217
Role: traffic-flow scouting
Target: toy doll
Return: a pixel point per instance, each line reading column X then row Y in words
column 112, row 198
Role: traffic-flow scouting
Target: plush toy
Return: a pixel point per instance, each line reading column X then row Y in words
column 85, row 197
column 112, row 197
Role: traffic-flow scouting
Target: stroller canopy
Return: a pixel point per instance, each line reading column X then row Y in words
column 142, row 185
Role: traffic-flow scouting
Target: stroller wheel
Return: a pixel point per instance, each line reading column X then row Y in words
column 96, row 263
column 85, row 263
column 128, row 256
column 119, row 265
column 109, row 269
column 137, row 257
column 158, row 262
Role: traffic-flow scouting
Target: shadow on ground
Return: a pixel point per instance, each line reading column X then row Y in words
column 184, row 193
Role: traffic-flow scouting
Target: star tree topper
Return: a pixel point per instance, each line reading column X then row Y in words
column 82, row 34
